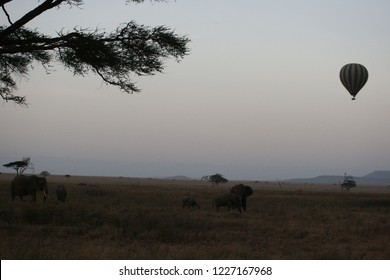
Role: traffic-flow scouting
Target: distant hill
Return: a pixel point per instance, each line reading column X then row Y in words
column 376, row 178
column 378, row 175
column 373, row 178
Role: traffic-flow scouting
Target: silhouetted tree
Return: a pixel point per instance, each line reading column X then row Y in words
column 130, row 49
column 45, row 173
column 216, row 179
column 348, row 183
column 20, row 166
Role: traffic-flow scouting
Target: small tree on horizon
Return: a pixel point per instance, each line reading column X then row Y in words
column 20, row 166
column 216, row 179
column 45, row 173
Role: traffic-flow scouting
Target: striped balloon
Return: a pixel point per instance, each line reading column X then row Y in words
column 353, row 76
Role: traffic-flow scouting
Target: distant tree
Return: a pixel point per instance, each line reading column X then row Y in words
column 45, row 173
column 348, row 183
column 67, row 176
column 130, row 49
column 205, row 178
column 216, row 179
column 20, row 166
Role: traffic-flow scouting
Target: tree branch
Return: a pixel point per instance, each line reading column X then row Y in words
column 2, row 2
column 6, row 13
column 46, row 5
column 130, row 49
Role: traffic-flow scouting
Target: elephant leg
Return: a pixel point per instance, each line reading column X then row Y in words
column 244, row 204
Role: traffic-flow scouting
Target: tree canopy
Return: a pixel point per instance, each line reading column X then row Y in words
column 20, row 165
column 130, row 49
column 45, row 173
column 216, row 179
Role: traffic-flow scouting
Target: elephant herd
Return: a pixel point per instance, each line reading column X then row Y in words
column 235, row 199
column 23, row 185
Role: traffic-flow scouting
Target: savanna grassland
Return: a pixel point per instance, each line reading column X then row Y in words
column 127, row 218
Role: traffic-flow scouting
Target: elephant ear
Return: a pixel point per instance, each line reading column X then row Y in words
column 248, row 191
column 242, row 190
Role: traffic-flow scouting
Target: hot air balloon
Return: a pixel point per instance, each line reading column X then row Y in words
column 353, row 76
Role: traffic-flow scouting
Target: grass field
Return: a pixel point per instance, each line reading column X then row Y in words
column 127, row 218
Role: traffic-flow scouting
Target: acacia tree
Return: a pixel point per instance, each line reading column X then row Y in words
column 216, row 179
column 130, row 49
column 45, row 173
column 20, row 166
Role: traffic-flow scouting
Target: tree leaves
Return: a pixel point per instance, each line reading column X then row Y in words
column 130, row 49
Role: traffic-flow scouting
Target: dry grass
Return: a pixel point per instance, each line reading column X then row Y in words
column 120, row 218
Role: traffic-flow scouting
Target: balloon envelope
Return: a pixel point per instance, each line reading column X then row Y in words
column 353, row 76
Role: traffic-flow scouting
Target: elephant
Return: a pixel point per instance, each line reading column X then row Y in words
column 23, row 185
column 61, row 193
column 189, row 201
column 244, row 192
column 229, row 200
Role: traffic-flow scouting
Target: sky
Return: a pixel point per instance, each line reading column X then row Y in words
column 257, row 98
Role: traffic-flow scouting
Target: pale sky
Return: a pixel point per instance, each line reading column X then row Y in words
column 259, row 96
